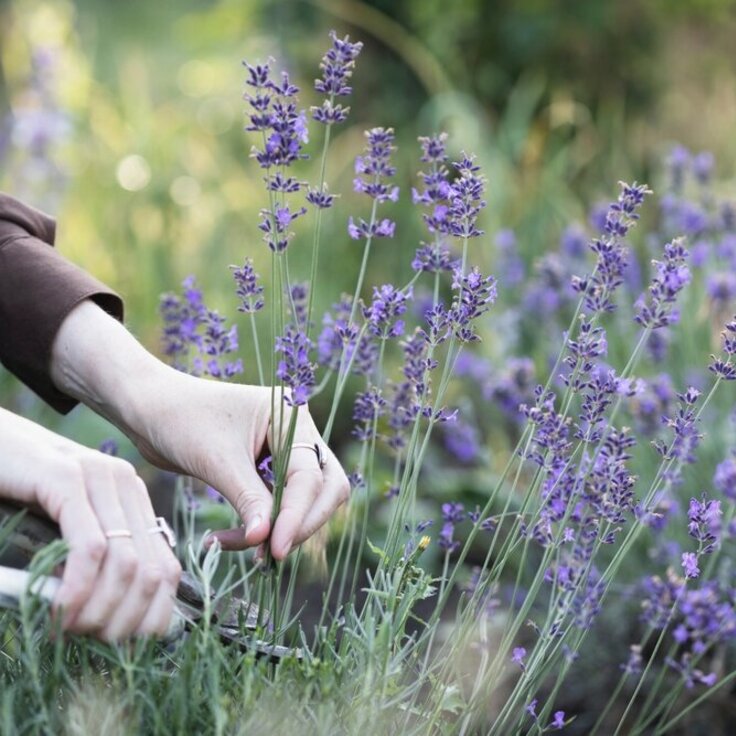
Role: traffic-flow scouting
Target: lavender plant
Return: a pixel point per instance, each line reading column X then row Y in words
column 467, row 613
column 569, row 494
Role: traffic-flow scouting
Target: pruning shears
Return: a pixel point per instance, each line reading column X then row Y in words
column 234, row 620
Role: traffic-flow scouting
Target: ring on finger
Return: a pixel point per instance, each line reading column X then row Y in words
column 162, row 527
column 315, row 448
column 119, row 534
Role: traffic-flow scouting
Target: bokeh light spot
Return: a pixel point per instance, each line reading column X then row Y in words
column 185, row 190
column 133, row 172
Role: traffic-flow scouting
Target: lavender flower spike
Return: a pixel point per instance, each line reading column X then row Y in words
column 466, row 199
column 337, row 67
column 295, row 368
column 248, row 290
column 598, row 288
column 671, row 276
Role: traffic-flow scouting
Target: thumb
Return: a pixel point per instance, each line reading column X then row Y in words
column 253, row 502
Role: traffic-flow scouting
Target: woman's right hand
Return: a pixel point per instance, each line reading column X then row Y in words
column 113, row 586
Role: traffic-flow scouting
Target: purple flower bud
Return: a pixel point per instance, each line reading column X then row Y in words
column 248, row 289
column 690, row 565
column 724, row 479
column 388, row 303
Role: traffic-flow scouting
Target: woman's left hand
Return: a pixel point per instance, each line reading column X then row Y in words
column 213, row 431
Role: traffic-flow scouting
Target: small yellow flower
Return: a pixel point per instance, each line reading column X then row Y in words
column 424, row 542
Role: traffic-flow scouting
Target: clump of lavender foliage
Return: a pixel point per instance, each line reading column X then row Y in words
column 573, row 501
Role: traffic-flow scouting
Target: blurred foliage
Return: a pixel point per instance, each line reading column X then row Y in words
column 146, row 165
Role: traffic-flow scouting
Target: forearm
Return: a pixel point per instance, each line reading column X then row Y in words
column 97, row 361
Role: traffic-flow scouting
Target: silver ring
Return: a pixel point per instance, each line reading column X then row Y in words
column 315, row 448
column 162, row 527
column 119, row 534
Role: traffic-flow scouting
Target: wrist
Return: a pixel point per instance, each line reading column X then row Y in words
column 97, row 361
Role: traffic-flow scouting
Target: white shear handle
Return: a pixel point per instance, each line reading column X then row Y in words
column 13, row 583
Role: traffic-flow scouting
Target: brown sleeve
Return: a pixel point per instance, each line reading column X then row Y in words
column 38, row 289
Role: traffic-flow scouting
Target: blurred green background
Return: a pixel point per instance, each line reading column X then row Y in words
column 124, row 119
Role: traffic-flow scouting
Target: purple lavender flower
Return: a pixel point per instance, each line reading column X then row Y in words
column 321, row 199
column 265, row 470
column 721, row 288
column 466, row 199
column 517, row 656
column 388, row 304
column 181, row 318
column 248, row 288
column 653, row 402
column 549, row 290
column 446, row 541
column 218, row 342
column 368, row 407
column 724, row 479
column 704, row 617
column 109, row 447
column 356, row 480
column 704, row 523
column 659, row 598
column 475, row 294
column 512, row 386
column 573, row 242
column 453, row 513
column 558, row 720
column 690, row 565
column 671, row 276
column 724, row 369
column 658, row 344
column 703, row 165
column 728, row 337
column 337, row 336
column 190, row 326
column 463, row 442
column 433, row 259
column 591, row 343
column 337, row 67
column 633, row 665
column 684, row 428
column 363, row 230
column 435, row 196
column 275, row 225
column 374, row 168
column 295, row 368
column 214, row 495
column 298, row 303
column 598, row 288
column 274, row 114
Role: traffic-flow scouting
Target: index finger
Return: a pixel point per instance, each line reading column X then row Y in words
column 87, row 548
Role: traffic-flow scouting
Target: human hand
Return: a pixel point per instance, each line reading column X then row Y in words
column 113, row 586
column 216, row 432
column 212, row 431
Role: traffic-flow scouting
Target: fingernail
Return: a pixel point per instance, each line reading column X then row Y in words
column 254, row 523
column 208, row 542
